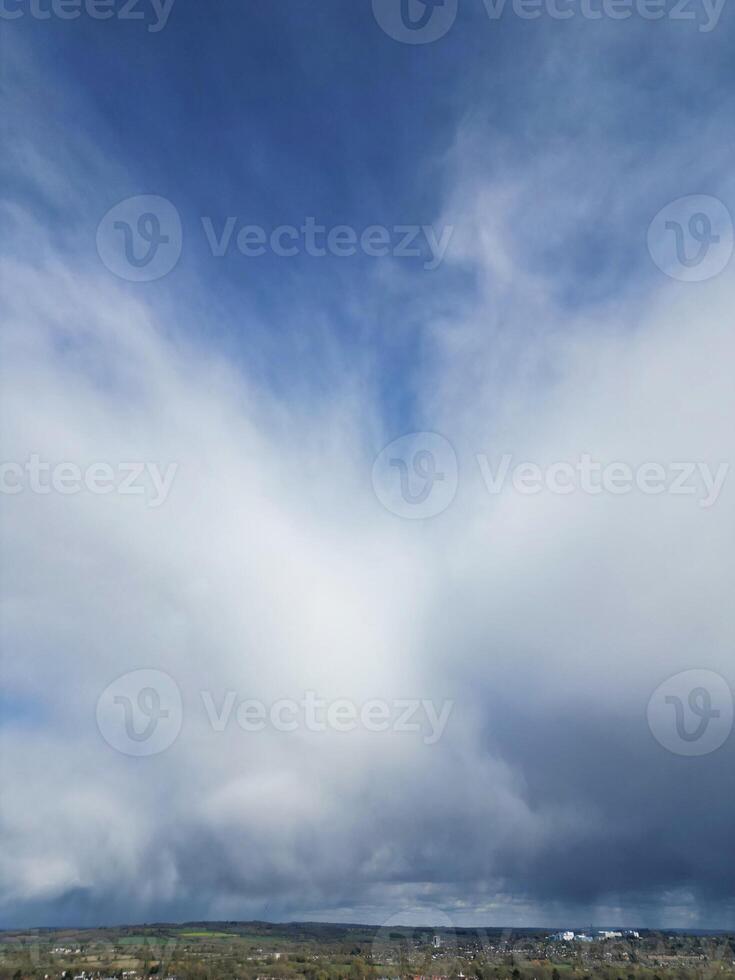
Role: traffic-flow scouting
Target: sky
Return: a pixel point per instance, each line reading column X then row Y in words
column 366, row 413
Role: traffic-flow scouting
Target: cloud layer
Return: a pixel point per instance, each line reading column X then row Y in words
column 272, row 568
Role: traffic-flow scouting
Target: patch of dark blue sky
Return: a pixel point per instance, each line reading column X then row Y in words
column 274, row 111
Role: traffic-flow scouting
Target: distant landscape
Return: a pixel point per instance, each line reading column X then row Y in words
column 325, row 951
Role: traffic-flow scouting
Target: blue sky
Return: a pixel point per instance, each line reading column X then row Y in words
column 278, row 561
